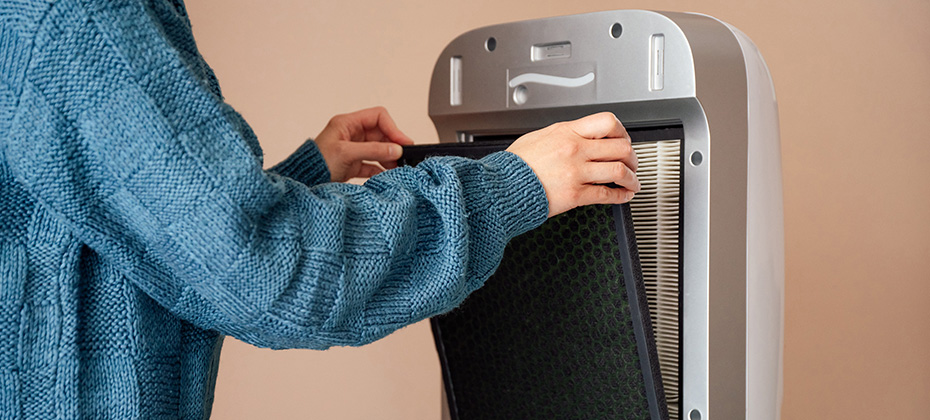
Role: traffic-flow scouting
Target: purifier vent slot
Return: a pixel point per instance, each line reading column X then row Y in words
column 656, row 222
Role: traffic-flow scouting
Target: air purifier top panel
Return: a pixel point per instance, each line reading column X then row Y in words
column 595, row 58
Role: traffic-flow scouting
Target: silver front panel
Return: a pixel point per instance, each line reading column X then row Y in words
column 471, row 93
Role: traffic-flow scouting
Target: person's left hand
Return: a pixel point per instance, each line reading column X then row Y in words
column 366, row 135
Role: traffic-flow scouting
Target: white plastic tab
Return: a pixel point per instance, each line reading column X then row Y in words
column 551, row 50
column 455, row 84
column 657, row 63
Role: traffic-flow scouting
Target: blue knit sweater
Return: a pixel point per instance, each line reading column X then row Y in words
column 137, row 226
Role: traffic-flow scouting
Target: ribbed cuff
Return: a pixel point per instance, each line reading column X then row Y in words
column 519, row 198
column 305, row 165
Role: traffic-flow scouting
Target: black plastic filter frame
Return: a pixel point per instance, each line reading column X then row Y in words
column 639, row 312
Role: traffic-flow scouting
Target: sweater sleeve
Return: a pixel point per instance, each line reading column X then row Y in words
column 118, row 136
column 306, row 165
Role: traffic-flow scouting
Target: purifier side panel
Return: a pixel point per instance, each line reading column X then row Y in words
column 720, row 82
column 765, row 247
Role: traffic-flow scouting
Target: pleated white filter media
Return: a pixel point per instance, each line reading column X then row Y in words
column 656, row 222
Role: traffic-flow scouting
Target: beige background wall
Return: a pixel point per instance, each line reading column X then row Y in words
column 853, row 84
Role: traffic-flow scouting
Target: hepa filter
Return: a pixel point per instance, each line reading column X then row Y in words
column 656, row 213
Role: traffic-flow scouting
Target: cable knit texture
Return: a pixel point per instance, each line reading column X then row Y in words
column 137, row 226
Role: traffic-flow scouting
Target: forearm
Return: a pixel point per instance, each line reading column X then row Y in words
column 410, row 244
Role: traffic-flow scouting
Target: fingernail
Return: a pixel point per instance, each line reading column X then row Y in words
column 396, row 151
column 630, row 195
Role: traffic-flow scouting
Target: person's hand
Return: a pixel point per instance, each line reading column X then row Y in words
column 351, row 139
column 571, row 160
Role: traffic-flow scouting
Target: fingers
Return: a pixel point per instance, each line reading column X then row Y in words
column 597, row 126
column 610, row 172
column 607, row 150
column 599, row 194
column 374, row 125
column 386, row 153
column 612, row 140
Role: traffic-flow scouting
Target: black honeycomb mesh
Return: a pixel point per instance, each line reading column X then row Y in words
column 554, row 333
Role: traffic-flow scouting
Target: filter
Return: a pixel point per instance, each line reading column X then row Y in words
column 560, row 331
column 657, row 220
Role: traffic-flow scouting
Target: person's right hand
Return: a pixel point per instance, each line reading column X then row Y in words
column 571, row 158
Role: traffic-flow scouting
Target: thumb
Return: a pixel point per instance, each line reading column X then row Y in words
column 597, row 126
column 375, row 151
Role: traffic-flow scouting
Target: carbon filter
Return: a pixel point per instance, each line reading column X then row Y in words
column 560, row 331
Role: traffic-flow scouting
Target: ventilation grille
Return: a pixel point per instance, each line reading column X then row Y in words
column 656, row 223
